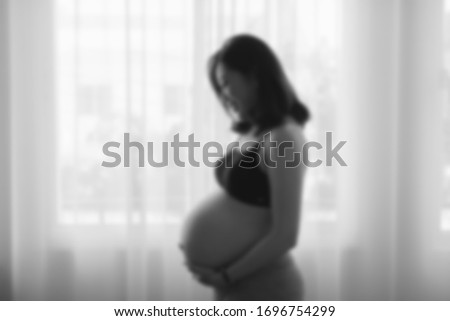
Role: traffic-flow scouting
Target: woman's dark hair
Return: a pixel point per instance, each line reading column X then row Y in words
column 276, row 98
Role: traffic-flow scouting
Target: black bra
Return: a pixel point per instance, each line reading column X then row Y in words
column 241, row 176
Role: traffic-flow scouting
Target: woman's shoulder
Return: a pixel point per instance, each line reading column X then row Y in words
column 282, row 143
column 288, row 131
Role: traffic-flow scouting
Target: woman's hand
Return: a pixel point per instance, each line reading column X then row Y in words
column 207, row 276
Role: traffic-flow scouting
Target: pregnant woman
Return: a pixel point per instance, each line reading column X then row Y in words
column 238, row 240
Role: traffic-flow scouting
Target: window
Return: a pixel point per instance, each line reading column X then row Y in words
column 139, row 67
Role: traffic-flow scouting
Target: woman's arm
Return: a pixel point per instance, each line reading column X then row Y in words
column 285, row 191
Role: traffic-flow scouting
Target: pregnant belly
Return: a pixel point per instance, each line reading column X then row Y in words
column 221, row 229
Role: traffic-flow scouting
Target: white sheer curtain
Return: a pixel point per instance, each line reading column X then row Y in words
column 392, row 112
column 5, row 161
column 84, row 72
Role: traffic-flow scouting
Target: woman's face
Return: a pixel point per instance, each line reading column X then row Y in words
column 237, row 90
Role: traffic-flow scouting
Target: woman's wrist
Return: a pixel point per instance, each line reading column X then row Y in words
column 226, row 276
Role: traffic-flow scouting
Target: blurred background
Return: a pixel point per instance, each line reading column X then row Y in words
column 75, row 74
